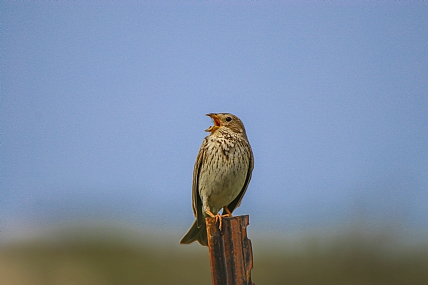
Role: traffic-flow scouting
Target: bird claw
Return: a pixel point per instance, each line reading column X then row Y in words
column 219, row 218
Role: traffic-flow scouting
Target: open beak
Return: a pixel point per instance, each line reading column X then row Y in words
column 216, row 123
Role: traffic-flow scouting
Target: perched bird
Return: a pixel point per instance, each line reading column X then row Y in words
column 221, row 173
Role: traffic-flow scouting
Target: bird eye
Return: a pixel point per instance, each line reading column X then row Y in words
column 228, row 119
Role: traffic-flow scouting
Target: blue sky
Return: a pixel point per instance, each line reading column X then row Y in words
column 103, row 110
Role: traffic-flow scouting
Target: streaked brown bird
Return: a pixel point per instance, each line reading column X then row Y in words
column 221, row 173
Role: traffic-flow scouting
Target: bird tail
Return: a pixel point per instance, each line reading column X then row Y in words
column 196, row 234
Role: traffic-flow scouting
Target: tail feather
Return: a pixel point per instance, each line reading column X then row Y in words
column 196, row 234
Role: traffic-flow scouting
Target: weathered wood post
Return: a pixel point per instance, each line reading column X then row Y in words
column 230, row 251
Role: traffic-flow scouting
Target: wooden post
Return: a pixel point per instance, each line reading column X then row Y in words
column 231, row 255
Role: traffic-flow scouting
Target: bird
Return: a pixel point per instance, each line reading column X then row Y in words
column 221, row 174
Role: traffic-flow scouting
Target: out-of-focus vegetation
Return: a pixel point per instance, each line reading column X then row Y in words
column 103, row 260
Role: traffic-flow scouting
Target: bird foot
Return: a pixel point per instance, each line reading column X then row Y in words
column 228, row 212
column 219, row 218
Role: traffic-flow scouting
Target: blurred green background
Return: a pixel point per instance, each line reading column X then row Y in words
column 120, row 255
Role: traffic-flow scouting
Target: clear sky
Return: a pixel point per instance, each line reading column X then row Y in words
column 103, row 110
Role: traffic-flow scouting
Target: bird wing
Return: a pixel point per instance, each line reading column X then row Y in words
column 237, row 201
column 196, row 199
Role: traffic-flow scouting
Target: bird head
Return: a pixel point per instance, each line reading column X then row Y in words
column 226, row 120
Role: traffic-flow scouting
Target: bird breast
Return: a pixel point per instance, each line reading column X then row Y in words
column 223, row 172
